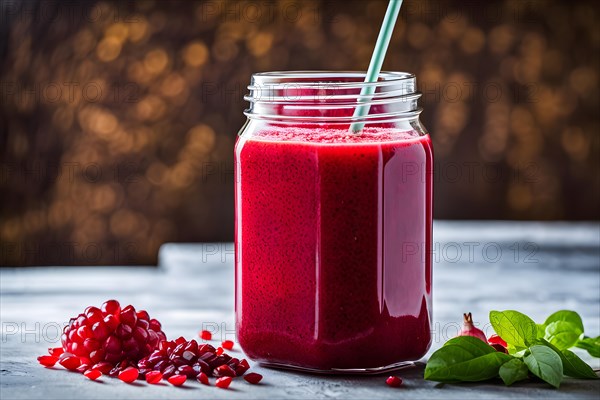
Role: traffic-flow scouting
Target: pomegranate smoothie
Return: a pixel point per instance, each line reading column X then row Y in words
column 333, row 234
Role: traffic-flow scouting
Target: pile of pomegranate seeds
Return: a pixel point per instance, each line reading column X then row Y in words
column 182, row 357
column 130, row 345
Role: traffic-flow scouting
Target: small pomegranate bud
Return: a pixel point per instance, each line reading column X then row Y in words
column 227, row 344
column 92, row 374
column 495, row 339
column 71, row 363
column 177, row 380
column 203, row 378
column 393, row 381
column 223, row 382
column 253, row 378
column 129, row 374
column 469, row 329
column 47, row 361
column 154, row 377
column 205, row 335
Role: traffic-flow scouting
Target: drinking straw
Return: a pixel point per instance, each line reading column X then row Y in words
column 383, row 41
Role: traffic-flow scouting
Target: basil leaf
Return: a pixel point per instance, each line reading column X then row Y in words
column 514, row 327
column 541, row 330
column 513, row 371
column 573, row 365
column 562, row 334
column 567, row 316
column 466, row 359
column 546, row 364
column 592, row 345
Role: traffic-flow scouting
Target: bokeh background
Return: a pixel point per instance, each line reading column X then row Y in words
column 118, row 120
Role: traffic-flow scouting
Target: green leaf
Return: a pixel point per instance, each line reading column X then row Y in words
column 466, row 359
column 514, row 327
column 567, row 316
column 541, row 330
column 573, row 365
column 546, row 364
column 562, row 334
column 576, row 367
column 592, row 345
column 513, row 371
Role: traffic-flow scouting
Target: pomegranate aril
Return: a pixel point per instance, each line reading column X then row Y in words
column 180, row 340
column 110, row 322
column 103, row 367
column 155, row 325
column 65, row 355
column 111, row 307
column 96, row 356
column 392, row 381
column 55, row 351
column 47, row 361
column 186, row 370
column 90, row 345
column 203, row 378
column 499, row 348
column 227, row 344
column 143, row 315
column 129, row 374
column 82, row 368
column 177, row 380
column 93, row 315
column 205, row 348
column 205, row 335
column 154, row 377
column 124, row 331
column 224, row 370
column 242, row 367
column 128, row 316
column 219, row 351
column 223, row 382
column 188, row 355
column 253, row 378
column 169, row 371
column 140, row 334
column 71, row 363
column 92, row 374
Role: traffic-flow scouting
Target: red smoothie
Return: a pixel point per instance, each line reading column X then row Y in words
column 333, row 257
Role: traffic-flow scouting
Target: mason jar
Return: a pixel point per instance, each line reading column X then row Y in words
column 333, row 223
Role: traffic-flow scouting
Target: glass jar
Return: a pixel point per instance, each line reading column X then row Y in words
column 333, row 228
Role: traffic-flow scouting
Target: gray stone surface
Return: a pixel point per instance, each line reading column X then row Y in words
column 536, row 268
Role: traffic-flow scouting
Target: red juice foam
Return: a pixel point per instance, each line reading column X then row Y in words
column 333, row 234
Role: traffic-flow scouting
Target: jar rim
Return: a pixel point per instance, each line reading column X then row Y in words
column 312, row 95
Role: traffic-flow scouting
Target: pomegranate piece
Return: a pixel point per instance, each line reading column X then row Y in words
column 495, row 339
column 154, row 377
column 47, row 361
column 205, row 335
column 129, row 374
column 253, row 378
column 111, row 334
column 92, row 374
column 71, row 363
column 393, row 381
column 469, row 329
column 223, row 382
column 227, row 344
column 203, row 378
column 177, row 380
